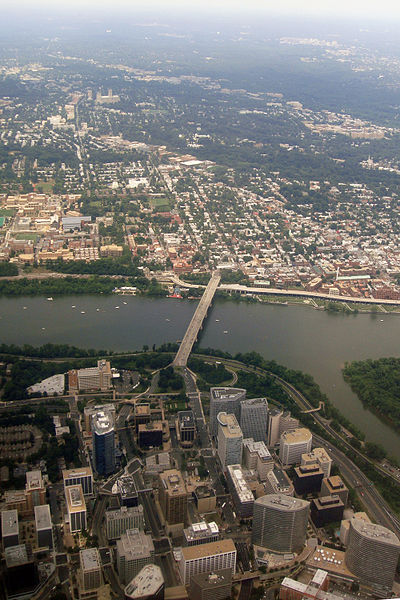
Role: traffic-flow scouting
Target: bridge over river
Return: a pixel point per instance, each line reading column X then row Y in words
column 196, row 323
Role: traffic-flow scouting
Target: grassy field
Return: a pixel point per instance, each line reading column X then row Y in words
column 160, row 204
column 7, row 212
column 44, row 187
column 27, row 236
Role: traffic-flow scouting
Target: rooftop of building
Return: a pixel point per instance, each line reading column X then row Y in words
column 125, row 486
column 259, row 448
column 90, row 559
column 203, row 491
column 240, row 483
column 209, row 581
column 123, row 511
column 146, row 583
column 329, row 560
column 279, row 477
column 172, row 481
column 335, row 483
column 11, row 496
column 34, row 480
column 317, row 453
column 9, row 522
column 16, row 555
column 282, row 502
column 223, row 393
column 75, row 498
column 102, row 422
column 254, row 402
column 142, row 410
column 186, row 418
column 200, row 530
column 330, row 501
column 375, row 532
column 296, row 436
column 309, row 469
column 151, row 426
column 275, row 412
column 135, row 544
column 229, row 425
column 43, row 517
column 75, row 473
column 219, row 547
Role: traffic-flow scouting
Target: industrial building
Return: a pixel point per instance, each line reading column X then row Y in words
column 372, row 553
column 173, row 497
column 307, row 479
column 254, row 419
column 280, row 523
column 119, row 520
column 242, row 496
column 134, row 551
column 44, row 527
column 201, row 533
column 293, row 444
column 76, row 508
column 224, row 400
column 207, row 558
column 230, row 440
column 327, row 509
column 103, row 436
column 82, row 476
column 148, row 584
column 216, row 585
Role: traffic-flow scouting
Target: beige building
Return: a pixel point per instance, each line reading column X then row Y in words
column 92, row 378
column 76, row 508
column 82, row 476
column 207, row 558
column 211, row 586
column 173, row 497
column 294, row 444
column 90, row 579
column 230, row 440
column 34, row 489
column 135, row 550
column 334, row 485
column 320, row 456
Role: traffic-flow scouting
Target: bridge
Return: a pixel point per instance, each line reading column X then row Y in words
column 196, row 323
column 313, row 410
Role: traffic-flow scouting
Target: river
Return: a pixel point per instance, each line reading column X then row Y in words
column 299, row 337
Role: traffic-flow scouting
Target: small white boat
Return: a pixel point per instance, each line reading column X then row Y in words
column 124, row 303
column 167, row 319
column 217, row 320
column 73, row 306
column 82, row 312
column 98, row 310
column 43, row 328
column 25, row 307
column 50, row 299
column 381, row 320
column 117, row 307
column 225, row 332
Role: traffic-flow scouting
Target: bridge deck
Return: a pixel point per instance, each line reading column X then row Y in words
column 195, row 324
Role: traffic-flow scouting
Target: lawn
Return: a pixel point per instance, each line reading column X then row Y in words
column 27, row 236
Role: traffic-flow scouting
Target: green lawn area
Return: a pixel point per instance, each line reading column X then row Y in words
column 7, row 212
column 160, row 204
column 27, row 236
column 44, row 187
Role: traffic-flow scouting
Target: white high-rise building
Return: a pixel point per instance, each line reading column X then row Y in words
column 254, row 419
column 230, row 440
column 207, row 558
column 320, row 456
column 293, row 444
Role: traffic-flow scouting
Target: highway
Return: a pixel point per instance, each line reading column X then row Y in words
column 195, row 324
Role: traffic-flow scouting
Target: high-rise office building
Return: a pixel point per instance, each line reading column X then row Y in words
column 287, row 422
column 211, row 586
column 274, row 419
column 327, row 509
column 82, row 476
column 76, row 508
column 103, row 436
column 119, row 520
column 34, row 489
column 91, row 578
column 257, row 457
column 334, row 485
column 135, row 550
column 307, row 479
column 372, row 553
column 148, row 584
column 293, row 444
column 321, row 456
column 230, row 440
column 91, row 410
column 224, row 400
column 280, row 523
column 173, row 497
column 9, row 528
column 44, row 526
column 254, row 419
column 186, row 428
column 207, row 558
column 242, row 495
column 278, row 482
column 201, row 533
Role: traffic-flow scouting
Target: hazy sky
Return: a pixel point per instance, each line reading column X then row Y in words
column 386, row 9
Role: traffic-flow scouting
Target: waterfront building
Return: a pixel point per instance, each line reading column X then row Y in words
column 293, row 444
column 186, row 428
column 103, row 436
column 321, row 456
column 280, row 523
column 224, row 400
column 334, row 485
column 134, row 551
column 148, row 584
column 254, row 419
column 35, row 491
column 230, row 440
column 201, row 533
column 44, row 526
column 257, row 457
column 372, row 553
column 242, row 496
column 76, row 508
column 207, row 558
column 326, row 509
column 92, row 378
column 216, row 585
column 9, row 528
column 287, row 423
column 307, row 479
column 173, row 497
column 90, row 573
column 82, row 476
column 119, row 520
column 274, row 418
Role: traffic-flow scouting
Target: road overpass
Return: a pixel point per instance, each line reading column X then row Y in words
column 196, row 323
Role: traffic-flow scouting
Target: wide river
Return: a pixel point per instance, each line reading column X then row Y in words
column 299, row 337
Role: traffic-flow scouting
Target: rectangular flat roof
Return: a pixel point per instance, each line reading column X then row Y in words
column 172, row 481
column 43, row 517
column 90, row 559
column 75, row 498
column 219, row 547
column 74, row 473
column 9, row 522
column 34, row 480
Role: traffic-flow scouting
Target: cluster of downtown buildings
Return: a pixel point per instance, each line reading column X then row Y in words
column 276, row 481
